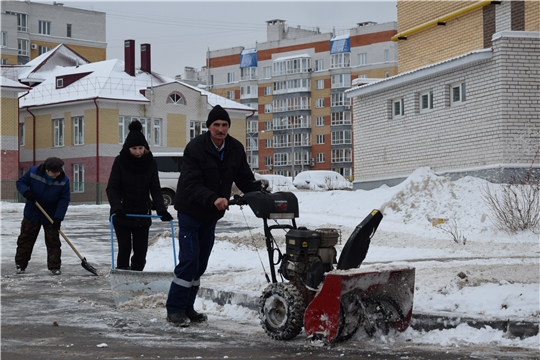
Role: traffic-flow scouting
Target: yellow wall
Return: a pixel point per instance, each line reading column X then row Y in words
column 532, row 15
column 44, row 127
column 176, row 138
column 459, row 36
column 9, row 113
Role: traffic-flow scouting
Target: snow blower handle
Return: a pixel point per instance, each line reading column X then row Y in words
column 237, row 200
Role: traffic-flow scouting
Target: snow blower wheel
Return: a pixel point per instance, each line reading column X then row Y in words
column 281, row 311
column 379, row 314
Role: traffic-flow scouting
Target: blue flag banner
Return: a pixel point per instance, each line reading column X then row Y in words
column 340, row 44
column 248, row 58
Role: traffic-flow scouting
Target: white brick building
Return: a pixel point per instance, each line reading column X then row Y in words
column 476, row 114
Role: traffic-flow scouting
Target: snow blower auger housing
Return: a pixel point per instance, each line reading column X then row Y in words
column 330, row 299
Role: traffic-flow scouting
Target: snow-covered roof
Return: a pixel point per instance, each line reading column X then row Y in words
column 422, row 72
column 9, row 84
column 105, row 80
column 36, row 69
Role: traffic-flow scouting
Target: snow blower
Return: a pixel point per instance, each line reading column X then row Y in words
column 330, row 299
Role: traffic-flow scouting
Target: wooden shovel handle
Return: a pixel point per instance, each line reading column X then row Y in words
column 59, row 231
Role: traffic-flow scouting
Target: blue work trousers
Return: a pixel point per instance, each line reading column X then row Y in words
column 196, row 240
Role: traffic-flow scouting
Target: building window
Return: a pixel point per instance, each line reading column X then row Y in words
column 44, row 27
column 43, row 49
column 291, row 104
column 21, row 134
column 59, row 83
column 268, row 143
column 3, row 61
column 339, row 99
column 319, row 121
column 387, row 74
column 3, row 40
column 398, row 110
column 68, row 30
column 248, row 92
column 386, row 55
column 341, row 118
column 319, row 139
column 197, row 128
column 22, row 22
column 176, row 98
column 281, row 159
column 211, row 80
column 362, row 59
column 23, row 47
column 340, row 60
column 267, row 161
column 341, row 155
column 152, row 132
column 341, row 80
column 341, row 137
column 426, row 101
column 268, row 125
column 230, row 77
column 78, row 130
column 362, row 76
column 319, row 84
column 320, row 157
column 291, row 66
column 457, row 94
column 267, row 108
column 249, row 73
column 58, row 131
column 267, row 72
column 267, row 90
column 253, row 126
column 78, row 178
column 319, row 103
column 319, row 65
column 230, row 94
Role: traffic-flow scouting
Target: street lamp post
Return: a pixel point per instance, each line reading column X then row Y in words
column 292, row 151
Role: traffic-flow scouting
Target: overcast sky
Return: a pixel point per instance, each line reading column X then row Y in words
column 180, row 32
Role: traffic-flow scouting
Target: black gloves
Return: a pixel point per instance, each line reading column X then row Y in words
column 56, row 224
column 121, row 213
column 30, row 196
column 165, row 216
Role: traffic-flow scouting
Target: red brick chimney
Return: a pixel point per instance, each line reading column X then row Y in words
column 129, row 57
column 145, row 58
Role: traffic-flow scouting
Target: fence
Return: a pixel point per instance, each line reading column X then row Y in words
column 92, row 193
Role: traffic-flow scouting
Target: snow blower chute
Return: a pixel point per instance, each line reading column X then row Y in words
column 330, row 299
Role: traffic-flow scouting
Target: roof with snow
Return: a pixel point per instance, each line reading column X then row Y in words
column 8, row 84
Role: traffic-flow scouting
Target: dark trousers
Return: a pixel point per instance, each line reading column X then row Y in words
column 129, row 238
column 196, row 240
column 27, row 240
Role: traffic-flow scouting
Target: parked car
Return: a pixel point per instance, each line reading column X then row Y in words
column 169, row 164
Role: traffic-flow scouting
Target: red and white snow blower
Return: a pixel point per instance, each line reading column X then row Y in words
column 330, row 302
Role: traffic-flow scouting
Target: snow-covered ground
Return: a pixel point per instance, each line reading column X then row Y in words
column 464, row 266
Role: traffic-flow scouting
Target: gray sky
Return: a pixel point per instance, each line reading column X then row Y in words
column 180, row 32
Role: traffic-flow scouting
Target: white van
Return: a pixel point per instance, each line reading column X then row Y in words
column 169, row 164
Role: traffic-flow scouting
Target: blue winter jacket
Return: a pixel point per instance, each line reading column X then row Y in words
column 53, row 196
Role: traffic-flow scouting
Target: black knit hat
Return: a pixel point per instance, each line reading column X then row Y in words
column 217, row 113
column 53, row 164
column 135, row 136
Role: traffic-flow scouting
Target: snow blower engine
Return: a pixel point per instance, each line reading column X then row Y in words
column 329, row 298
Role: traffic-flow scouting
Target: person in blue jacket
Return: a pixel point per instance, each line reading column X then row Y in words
column 49, row 186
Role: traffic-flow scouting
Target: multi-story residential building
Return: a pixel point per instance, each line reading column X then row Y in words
column 30, row 29
column 296, row 80
column 467, row 107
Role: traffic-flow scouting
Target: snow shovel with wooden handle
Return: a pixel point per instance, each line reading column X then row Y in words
column 84, row 263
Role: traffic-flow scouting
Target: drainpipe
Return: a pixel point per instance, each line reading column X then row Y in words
column 98, row 193
column 19, row 133
column 33, row 136
column 441, row 20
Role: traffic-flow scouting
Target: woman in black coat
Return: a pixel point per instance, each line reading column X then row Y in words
column 134, row 176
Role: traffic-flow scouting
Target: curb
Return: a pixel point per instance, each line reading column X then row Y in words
column 419, row 321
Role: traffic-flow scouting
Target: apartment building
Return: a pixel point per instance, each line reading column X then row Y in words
column 297, row 81
column 30, row 29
